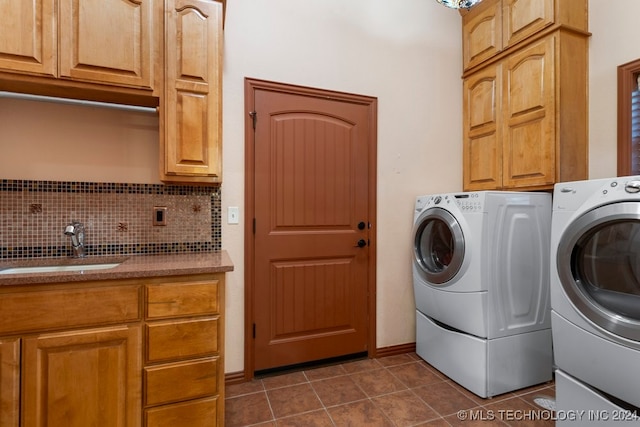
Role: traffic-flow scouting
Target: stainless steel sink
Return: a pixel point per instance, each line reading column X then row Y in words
column 58, row 268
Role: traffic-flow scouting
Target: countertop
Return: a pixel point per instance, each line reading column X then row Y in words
column 131, row 267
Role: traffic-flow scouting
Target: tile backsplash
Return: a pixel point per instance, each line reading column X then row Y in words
column 118, row 218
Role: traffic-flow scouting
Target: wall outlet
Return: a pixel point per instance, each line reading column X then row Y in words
column 233, row 215
column 159, row 215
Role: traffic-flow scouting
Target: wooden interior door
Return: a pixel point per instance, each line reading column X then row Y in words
column 312, row 233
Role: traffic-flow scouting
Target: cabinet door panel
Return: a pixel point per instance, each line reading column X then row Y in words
column 481, row 33
column 523, row 18
column 108, row 41
column 529, row 116
column 482, row 152
column 83, row 378
column 193, row 80
column 28, row 36
column 10, row 382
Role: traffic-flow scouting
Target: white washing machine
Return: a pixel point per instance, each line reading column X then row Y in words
column 481, row 285
column 595, row 298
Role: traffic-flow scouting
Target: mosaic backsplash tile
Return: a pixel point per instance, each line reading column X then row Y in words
column 118, row 218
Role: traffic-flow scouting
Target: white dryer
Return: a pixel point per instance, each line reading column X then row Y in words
column 481, row 285
column 595, row 298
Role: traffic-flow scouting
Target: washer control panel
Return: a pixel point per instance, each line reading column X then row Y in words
column 469, row 202
column 466, row 202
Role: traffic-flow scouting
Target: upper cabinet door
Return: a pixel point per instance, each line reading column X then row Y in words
column 523, row 18
column 28, row 36
column 482, row 121
column 481, row 33
column 192, row 101
column 109, row 41
column 529, row 139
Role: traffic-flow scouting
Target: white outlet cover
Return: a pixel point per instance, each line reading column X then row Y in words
column 233, row 215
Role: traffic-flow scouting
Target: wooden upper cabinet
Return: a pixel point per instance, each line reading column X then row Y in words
column 481, row 33
column 496, row 25
column 109, row 41
column 525, row 107
column 528, row 108
column 523, row 18
column 28, row 41
column 482, row 154
column 112, row 42
column 191, row 106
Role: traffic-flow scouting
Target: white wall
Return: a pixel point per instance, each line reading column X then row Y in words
column 406, row 53
column 615, row 41
column 54, row 141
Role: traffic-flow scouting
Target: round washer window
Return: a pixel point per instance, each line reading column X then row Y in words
column 438, row 245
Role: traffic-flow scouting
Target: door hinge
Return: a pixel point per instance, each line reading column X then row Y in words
column 254, row 118
column 254, row 226
column 254, row 330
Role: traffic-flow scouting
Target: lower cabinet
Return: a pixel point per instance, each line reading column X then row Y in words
column 129, row 353
column 184, row 382
column 83, row 378
column 9, row 382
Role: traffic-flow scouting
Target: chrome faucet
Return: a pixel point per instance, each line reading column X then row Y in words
column 75, row 230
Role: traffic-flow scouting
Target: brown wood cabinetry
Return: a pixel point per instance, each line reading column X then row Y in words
column 111, row 42
column 524, row 94
column 119, row 352
column 83, row 377
column 154, row 53
column 10, row 382
column 28, row 37
column 191, row 124
column 185, row 379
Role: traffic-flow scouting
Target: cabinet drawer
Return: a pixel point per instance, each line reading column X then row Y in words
column 180, row 339
column 200, row 413
column 182, row 299
column 181, row 381
column 65, row 308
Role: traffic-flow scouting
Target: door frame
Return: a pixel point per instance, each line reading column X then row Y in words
column 250, row 86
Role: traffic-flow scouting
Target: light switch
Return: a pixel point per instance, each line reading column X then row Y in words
column 233, row 215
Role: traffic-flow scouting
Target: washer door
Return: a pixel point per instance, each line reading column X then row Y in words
column 438, row 246
column 598, row 264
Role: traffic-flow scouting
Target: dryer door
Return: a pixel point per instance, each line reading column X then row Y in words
column 438, row 246
column 598, row 264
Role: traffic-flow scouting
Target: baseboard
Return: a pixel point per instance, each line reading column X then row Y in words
column 394, row 350
column 234, row 378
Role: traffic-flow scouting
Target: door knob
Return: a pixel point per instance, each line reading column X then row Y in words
column 361, row 243
column 361, row 225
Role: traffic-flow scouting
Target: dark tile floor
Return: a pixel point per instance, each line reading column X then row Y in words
column 400, row 390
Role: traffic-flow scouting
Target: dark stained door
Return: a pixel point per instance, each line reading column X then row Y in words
column 312, row 238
